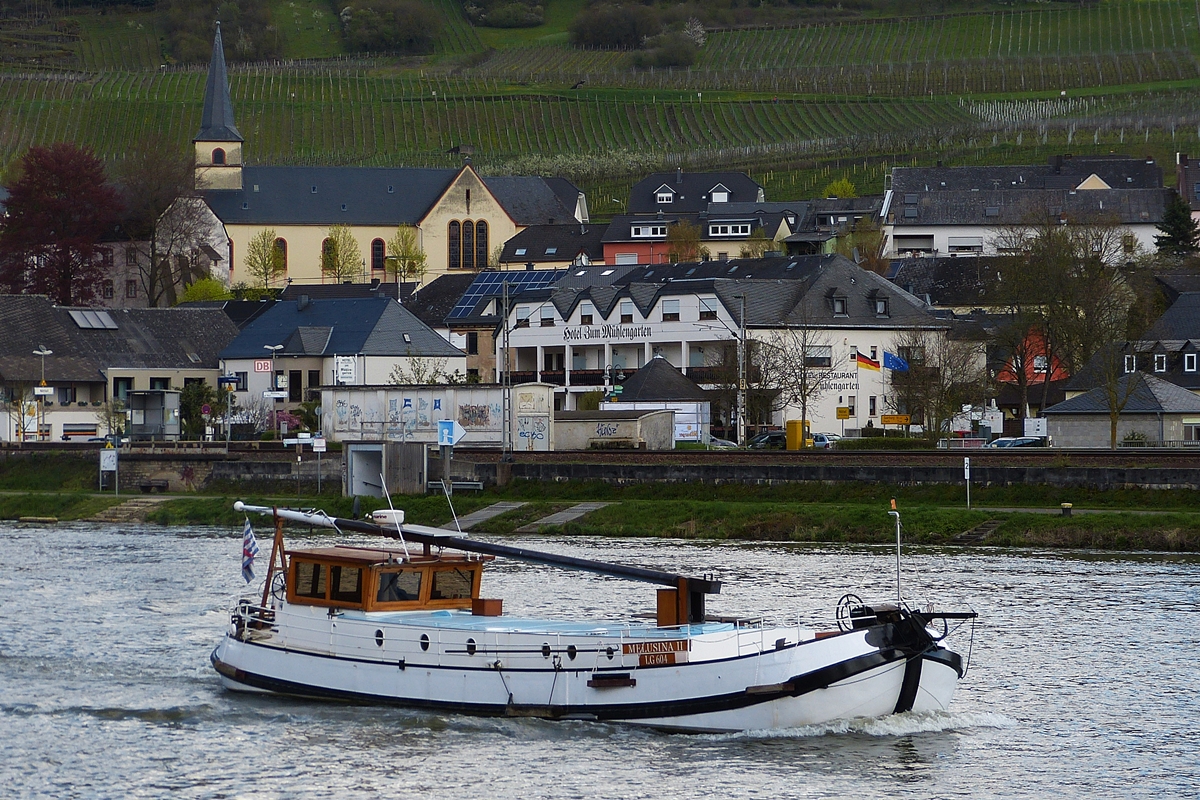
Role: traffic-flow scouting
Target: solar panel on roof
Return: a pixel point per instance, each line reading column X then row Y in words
column 93, row 320
column 491, row 284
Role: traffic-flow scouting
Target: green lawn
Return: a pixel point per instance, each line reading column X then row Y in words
column 309, row 27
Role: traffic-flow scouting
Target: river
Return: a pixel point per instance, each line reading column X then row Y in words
column 1083, row 682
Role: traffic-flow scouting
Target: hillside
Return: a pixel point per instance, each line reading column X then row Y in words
column 795, row 104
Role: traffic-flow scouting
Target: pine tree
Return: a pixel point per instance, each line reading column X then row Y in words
column 1181, row 233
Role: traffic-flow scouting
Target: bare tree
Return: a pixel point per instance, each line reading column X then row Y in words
column 799, row 361
column 424, row 372
column 165, row 219
column 341, row 260
column 111, row 417
column 944, row 373
column 757, row 245
column 683, row 242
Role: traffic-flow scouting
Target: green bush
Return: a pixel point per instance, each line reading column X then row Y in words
column 614, row 27
column 390, row 25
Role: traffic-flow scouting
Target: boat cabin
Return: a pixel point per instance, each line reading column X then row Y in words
column 387, row 580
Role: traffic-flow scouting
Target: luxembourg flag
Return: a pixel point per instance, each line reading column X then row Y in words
column 249, row 551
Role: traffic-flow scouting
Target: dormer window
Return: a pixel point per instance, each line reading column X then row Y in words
column 1189, row 362
column 1160, row 362
column 664, row 196
column 218, row 157
column 1130, row 364
column 585, row 313
column 648, row 231
column 626, row 312
column 725, row 229
column 670, row 311
column 881, row 307
column 720, row 196
column 839, row 307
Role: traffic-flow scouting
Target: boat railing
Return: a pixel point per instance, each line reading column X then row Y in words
column 249, row 614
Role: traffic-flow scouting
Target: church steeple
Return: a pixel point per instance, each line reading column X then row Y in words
column 218, row 144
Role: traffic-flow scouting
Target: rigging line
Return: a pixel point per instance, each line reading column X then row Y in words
column 499, row 667
column 450, row 503
column 395, row 519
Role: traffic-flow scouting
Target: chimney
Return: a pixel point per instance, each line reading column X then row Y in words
column 303, row 302
column 679, row 176
column 529, row 266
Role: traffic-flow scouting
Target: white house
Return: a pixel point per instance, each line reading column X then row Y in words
column 585, row 333
column 965, row 211
column 308, row 344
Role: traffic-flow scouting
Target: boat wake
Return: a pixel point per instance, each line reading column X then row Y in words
column 905, row 724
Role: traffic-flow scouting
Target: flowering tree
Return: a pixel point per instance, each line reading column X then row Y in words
column 58, row 209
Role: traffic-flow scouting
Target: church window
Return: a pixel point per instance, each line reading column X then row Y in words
column 455, row 246
column 468, row 244
column 218, row 156
column 481, row 245
column 281, row 248
column 378, row 252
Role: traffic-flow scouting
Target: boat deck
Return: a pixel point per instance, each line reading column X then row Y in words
column 465, row 621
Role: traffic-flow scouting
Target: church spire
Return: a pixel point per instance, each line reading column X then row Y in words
column 216, row 123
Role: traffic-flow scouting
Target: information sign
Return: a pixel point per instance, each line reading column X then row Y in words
column 43, row 391
column 895, row 419
column 108, row 460
column 262, row 365
column 843, row 412
column 318, row 444
column 450, row 432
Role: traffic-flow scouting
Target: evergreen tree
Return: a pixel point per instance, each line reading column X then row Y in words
column 1181, row 233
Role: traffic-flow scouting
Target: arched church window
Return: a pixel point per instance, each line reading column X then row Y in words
column 481, row 245
column 378, row 254
column 218, row 156
column 281, row 249
column 468, row 244
column 454, row 247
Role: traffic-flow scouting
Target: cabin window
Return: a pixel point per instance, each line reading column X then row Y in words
column 310, row 580
column 346, row 583
column 397, row 587
column 452, row 584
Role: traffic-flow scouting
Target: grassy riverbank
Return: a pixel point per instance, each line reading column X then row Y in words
column 1027, row 516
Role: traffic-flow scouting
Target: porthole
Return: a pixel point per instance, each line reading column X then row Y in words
column 572, row 652
column 470, row 647
column 379, row 637
column 545, row 650
column 424, row 642
column 610, row 653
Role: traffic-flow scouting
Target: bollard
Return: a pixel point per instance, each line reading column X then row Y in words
column 1066, row 509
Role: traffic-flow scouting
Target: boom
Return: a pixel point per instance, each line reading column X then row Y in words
column 691, row 590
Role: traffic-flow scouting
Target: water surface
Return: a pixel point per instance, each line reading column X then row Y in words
column 1083, row 682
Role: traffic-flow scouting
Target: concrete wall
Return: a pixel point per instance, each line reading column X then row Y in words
column 634, row 429
column 1093, row 430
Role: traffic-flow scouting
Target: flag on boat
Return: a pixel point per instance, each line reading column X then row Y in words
column 894, row 362
column 865, row 362
column 249, row 551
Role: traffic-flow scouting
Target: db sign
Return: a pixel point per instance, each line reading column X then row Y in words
column 262, row 365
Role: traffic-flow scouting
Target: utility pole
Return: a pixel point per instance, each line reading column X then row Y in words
column 741, row 355
column 505, row 382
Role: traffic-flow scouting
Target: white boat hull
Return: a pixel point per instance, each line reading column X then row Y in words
column 711, row 677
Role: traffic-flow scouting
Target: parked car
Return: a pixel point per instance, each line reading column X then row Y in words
column 1017, row 441
column 824, row 441
column 721, row 444
column 769, row 440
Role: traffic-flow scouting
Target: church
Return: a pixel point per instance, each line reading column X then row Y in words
column 461, row 219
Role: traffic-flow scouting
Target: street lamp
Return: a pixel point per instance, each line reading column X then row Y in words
column 274, row 348
column 41, row 393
